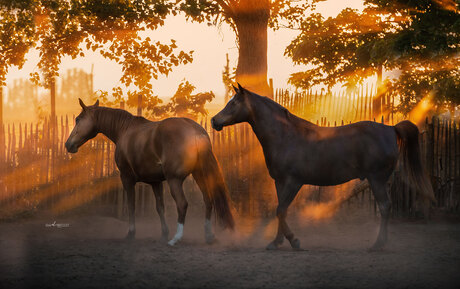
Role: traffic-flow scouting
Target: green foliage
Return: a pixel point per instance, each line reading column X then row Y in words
column 421, row 39
column 183, row 103
column 230, row 11
column 440, row 84
column 17, row 35
column 186, row 104
column 338, row 48
column 70, row 28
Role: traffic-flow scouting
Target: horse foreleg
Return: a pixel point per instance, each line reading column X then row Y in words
column 278, row 239
column 286, row 192
column 181, row 203
column 379, row 189
column 160, row 205
column 128, row 185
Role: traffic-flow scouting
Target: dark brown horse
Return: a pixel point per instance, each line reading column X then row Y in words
column 299, row 152
column 152, row 152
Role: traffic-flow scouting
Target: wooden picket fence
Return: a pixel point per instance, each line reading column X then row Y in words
column 334, row 108
column 37, row 174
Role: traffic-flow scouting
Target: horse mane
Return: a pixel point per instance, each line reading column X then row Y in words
column 281, row 111
column 113, row 120
column 103, row 113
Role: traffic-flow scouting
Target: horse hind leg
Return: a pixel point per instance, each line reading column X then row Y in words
column 175, row 184
column 205, row 190
column 379, row 188
column 160, row 206
column 128, row 185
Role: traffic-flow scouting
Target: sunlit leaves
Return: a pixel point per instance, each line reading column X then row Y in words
column 16, row 35
column 183, row 103
column 112, row 28
column 332, row 46
column 276, row 11
column 186, row 104
column 289, row 12
column 440, row 79
column 419, row 38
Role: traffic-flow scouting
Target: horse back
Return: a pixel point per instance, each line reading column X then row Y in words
column 179, row 142
column 155, row 149
column 334, row 155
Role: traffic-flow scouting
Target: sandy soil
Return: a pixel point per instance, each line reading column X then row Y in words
column 92, row 253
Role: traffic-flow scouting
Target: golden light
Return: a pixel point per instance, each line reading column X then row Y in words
column 86, row 194
column 337, row 196
column 320, row 211
column 17, row 177
column 271, row 229
column 247, row 226
column 449, row 5
column 421, row 110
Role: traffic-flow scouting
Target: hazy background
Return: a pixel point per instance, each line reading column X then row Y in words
column 210, row 45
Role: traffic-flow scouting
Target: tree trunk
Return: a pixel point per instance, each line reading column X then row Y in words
column 53, row 98
column 1, row 106
column 139, row 105
column 251, row 71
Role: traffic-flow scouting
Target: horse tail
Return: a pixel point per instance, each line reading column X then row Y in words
column 409, row 148
column 211, row 176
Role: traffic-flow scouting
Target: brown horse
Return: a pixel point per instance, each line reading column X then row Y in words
column 152, row 152
column 299, row 152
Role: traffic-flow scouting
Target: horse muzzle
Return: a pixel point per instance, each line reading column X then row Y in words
column 215, row 125
column 71, row 148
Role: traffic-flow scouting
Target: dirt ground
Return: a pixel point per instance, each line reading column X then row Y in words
column 92, row 253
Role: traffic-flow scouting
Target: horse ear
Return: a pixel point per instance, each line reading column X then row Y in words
column 96, row 103
column 240, row 87
column 82, row 104
column 235, row 89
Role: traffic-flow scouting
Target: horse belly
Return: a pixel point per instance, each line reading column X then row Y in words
column 328, row 173
column 331, row 179
column 149, row 171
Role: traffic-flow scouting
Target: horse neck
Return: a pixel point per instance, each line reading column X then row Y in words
column 270, row 121
column 267, row 121
column 112, row 122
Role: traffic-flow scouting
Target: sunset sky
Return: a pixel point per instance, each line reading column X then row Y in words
column 210, row 44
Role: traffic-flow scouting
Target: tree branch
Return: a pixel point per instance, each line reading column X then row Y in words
column 226, row 7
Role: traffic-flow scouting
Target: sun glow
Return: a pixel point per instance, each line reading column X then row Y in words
column 449, row 5
column 336, row 196
column 421, row 110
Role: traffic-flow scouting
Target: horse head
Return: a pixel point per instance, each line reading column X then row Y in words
column 85, row 128
column 237, row 110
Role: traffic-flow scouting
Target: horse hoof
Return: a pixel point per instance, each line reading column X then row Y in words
column 295, row 244
column 272, row 246
column 173, row 242
column 164, row 239
column 210, row 240
column 376, row 247
column 130, row 235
